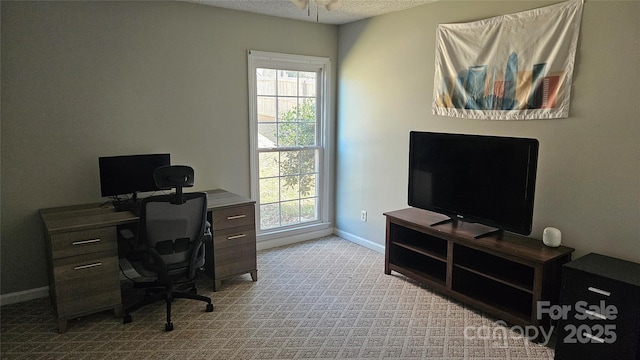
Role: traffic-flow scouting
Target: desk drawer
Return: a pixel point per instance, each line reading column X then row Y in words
column 234, row 251
column 233, row 217
column 234, row 237
column 82, row 266
column 594, row 290
column 87, row 282
column 88, row 304
column 83, row 242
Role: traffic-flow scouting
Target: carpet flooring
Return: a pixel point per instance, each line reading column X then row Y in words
column 322, row 299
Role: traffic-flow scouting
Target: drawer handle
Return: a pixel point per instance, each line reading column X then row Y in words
column 239, row 236
column 87, row 266
column 592, row 337
column 235, row 217
column 598, row 291
column 83, row 242
column 595, row 314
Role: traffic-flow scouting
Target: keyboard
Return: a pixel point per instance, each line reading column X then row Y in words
column 127, row 205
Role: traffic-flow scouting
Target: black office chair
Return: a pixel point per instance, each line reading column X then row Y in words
column 170, row 244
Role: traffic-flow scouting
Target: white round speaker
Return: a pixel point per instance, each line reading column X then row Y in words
column 551, row 237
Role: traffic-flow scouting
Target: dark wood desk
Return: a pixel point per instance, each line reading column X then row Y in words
column 82, row 251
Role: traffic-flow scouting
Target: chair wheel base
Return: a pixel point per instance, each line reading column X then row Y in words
column 127, row 319
column 168, row 326
column 209, row 307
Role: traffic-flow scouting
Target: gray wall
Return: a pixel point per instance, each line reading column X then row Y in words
column 87, row 79
column 588, row 181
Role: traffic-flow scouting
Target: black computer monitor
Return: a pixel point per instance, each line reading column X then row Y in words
column 129, row 174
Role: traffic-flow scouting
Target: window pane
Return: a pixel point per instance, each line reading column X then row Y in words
column 269, row 216
column 308, row 185
column 269, row 165
column 290, row 163
column 307, row 109
column 287, row 109
column 307, row 134
column 266, row 81
column 289, row 188
column 266, row 108
column 290, row 212
column 287, row 134
column 308, row 161
column 267, row 137
column 269, row 190
column 307, row 84
column 287, row 83
column 308, row 209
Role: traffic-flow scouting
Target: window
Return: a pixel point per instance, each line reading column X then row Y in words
column 289, row 137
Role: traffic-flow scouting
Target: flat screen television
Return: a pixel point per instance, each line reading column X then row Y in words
column 129, row 174
column 488, row 180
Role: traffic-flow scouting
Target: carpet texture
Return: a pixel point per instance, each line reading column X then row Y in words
column 321, row 299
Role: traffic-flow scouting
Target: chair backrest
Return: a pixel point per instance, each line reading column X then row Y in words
column 172, row 228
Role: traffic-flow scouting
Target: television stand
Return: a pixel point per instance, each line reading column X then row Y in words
column 504, row 275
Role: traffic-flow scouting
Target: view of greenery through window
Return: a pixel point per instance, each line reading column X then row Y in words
column 288, row 155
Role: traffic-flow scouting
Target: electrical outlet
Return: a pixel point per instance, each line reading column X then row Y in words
column 363, row 215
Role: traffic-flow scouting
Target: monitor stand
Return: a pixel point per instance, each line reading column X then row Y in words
column 495, row 231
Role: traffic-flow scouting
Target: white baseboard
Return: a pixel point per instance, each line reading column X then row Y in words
column 360, row 241
column 26, row 295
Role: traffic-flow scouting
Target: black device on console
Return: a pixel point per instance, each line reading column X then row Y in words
column 488, row 180
column 129, row 175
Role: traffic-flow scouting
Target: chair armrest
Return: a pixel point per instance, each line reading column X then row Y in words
column 127, row 234
column 207, row 237
column 129, row 238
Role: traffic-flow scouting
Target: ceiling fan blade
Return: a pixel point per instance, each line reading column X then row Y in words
column 329, row 4
column 301, row 4
column 334, row 4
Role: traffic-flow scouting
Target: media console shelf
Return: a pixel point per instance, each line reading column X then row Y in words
column 504, row 275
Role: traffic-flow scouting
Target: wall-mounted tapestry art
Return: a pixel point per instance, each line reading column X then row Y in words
column 517, row 66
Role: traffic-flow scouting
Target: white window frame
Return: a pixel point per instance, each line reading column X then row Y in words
column 322, row 226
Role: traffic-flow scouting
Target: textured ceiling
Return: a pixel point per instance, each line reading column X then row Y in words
column 343, row 11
